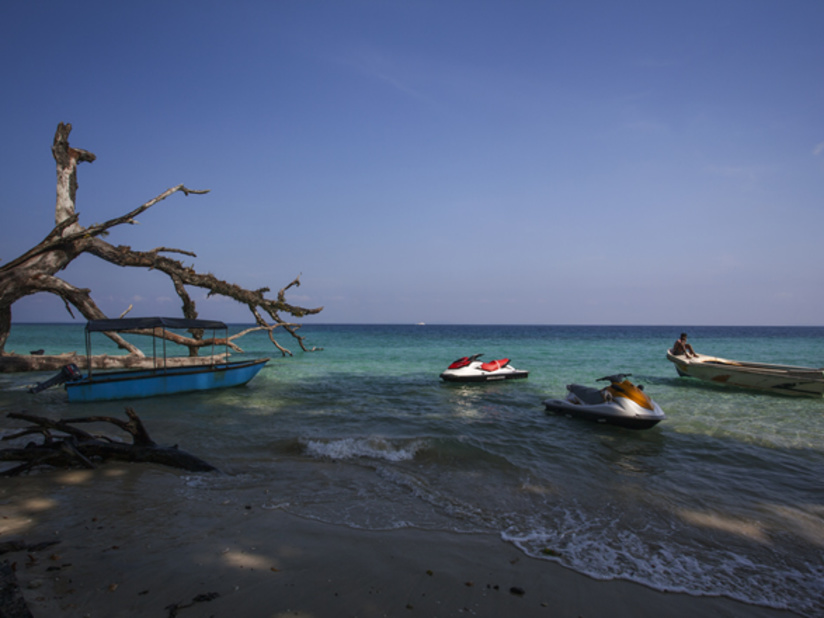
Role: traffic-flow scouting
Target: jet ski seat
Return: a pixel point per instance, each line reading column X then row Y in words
column 587, row 394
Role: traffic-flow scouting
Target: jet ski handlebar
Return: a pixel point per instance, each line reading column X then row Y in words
column 618, row 377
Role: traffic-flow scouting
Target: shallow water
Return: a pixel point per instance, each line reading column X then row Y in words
column 724, row 497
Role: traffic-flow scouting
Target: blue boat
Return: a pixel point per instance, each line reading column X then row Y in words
column 159, row 379
column 162, row 381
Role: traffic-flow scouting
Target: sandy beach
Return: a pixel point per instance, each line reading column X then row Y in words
column 128, row 547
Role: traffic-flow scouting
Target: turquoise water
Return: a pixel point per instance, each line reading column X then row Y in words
column 725, row 497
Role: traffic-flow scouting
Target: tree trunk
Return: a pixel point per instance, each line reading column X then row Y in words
column 37, row 269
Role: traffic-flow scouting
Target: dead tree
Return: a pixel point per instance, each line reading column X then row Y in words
column 37, row 269
column 67, row 446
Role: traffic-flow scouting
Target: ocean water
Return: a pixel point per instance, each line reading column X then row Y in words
column 725, row 497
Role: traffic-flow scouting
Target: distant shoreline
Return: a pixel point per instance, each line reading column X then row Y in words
column 678, row 327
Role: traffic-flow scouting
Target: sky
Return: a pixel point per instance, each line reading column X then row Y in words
column 452, row 162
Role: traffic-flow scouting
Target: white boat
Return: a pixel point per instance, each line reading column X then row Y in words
column 784, row 379
column 622, row 403
column 470, row 369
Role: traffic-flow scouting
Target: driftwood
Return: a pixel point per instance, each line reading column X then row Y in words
column 37, row 269
column 66, row 446
column 24, row 362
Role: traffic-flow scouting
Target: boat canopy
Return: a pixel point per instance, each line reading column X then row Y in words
column 96, row 326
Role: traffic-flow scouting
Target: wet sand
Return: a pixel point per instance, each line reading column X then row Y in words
column 129, row 547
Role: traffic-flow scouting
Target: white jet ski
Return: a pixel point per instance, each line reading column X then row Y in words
column 621, row 403
column 470, row 369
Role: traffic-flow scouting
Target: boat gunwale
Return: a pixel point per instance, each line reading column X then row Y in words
column 158, row 372
column 769, row 369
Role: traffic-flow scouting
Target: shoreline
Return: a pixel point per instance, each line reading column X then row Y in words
column 129, row 546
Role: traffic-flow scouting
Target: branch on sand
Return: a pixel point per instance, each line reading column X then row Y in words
column 67, row 446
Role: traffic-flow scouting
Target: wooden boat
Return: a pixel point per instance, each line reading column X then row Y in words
column 160, row 379
column 783, row 379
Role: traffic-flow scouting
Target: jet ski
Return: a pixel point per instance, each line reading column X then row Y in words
column 470, row 369
column 621, row 403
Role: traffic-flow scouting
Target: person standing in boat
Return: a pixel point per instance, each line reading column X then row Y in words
column 682, row 348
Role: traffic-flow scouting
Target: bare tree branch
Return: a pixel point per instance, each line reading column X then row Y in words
column 36, row 270
column 66, row 446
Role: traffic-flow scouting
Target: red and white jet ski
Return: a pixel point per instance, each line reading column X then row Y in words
column 470, row 369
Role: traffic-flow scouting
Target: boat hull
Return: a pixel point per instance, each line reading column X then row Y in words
column 780, row 379
column 152, row 383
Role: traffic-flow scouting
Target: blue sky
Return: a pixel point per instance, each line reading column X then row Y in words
column 590, row 162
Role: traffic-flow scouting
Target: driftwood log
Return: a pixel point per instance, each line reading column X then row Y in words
column 37, row 269
column 11, row 363
column 67, row 446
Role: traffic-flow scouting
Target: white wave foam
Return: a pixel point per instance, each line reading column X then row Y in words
column 372, row 447
column 587, row 546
